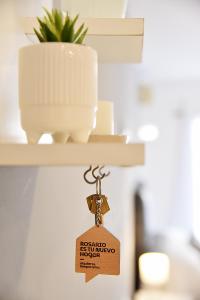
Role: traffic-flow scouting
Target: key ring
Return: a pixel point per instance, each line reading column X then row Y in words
column 98, row 185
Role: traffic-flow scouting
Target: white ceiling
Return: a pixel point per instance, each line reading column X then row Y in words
column 172, row 38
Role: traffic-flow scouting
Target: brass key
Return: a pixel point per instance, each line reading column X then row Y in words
column 92, row 203
column 98, row 214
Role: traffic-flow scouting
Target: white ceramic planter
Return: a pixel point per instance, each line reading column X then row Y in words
column 58, row 91
column 95, row 8
column 104, row 119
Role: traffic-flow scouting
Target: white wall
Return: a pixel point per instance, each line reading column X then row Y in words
column 168, row 160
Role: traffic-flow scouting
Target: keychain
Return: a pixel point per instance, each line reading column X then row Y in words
column 97, row 250
column 98, row 203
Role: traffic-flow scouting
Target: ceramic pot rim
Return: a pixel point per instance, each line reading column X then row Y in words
column 58, row 44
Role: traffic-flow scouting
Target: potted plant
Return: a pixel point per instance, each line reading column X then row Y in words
column 58, row 81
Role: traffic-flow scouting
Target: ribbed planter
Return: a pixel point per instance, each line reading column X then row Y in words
column 58, row 91
column 95, row 8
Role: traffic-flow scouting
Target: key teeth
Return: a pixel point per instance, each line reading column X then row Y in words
column 81, row 136
column 60, row 137
column 33, row 137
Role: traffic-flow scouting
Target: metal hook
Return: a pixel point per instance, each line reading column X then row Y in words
column 103, row 174
column 85, row 178
column 94, row 171
column 97, row 177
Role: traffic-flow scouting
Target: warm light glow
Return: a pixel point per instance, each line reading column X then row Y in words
column 148, row 133
column 195, row 142
column 154, row 269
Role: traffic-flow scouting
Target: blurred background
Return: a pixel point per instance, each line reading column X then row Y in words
column 155, row 209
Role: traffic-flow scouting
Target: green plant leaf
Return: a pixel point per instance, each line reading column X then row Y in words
column 49, row 15
column 58, row 19
column 78, row 32
column 39, row 36
column 42, row 31
column 46, row 32
column 54, row 27
column 65, row 31
column 49, row 34
column 40, row 21
column 71, row 29
column 82, row 37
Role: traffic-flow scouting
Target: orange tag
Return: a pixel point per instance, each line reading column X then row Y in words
column 97, row 252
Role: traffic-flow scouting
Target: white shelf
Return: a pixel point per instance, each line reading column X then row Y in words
column 113, row 154
column 116, row 40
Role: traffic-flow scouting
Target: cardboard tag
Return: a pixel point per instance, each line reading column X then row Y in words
column 97, row 252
